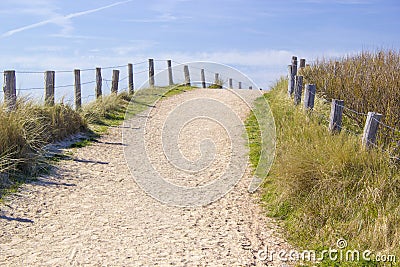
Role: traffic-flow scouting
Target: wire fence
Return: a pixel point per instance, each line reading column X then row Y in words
column 139, row 71
column 244, row 84
column 392, row 141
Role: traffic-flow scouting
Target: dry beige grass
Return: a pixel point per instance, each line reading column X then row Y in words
column 368, row 81
column 26, row 129
column 327, row 187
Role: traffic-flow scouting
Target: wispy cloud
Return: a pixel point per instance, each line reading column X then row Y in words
column 166, row 17
column 62, row 20
column 165, row 11
column 162, row 18
column 47, row 48
column 81, row 37
column 134, row 47
column 249, row 58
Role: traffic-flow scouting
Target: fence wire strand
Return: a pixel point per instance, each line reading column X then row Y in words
column 396, row 131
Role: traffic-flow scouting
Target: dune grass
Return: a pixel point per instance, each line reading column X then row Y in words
column 25, row 131
column 323, row 187
column 367, row 81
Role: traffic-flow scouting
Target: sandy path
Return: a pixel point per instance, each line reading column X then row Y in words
column 91, row 212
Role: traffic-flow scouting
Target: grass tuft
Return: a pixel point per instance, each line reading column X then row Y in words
column 25, row 131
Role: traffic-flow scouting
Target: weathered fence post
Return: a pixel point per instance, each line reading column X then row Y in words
column 240, row 85
column 170, row 77
column 187, row 75
column 203, row 79
column 151, row 72
column 293, row 73
column 371, row 129
column 131, row 87
column 78, row 89
column 115, row 80
column 230, row 83
column 217, row 82
column 302, row 63
column 294, row 66
column 298, row 90
column 290, row 80
column 309, row 96
column 99, row 83
column 9, row 89
column 335, row 120
column 49, row 82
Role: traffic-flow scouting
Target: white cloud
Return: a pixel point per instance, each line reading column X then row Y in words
column 78, row 14
column 63, row 21
column 81, row 37
column 250, row 58
column 165, row 10
column 166, row 17
column 134, row 47
column 167, row 6
column 47, row 48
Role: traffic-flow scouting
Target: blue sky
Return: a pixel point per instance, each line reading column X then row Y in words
column 258, row 37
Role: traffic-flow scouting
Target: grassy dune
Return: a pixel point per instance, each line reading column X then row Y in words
column 26, row 130
column 324, row 187
column 368, row 81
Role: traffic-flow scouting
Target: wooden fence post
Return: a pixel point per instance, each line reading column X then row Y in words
column 298, row 90
column 309, row 96
column 293, row 73
column 131, row 87
column 217, row 81
column 9, row 89
column 99, row 83
column 230, row 83
column 78, row 89
column 294, row 66
column 335, row 120
column 240, row 85
column 203, row 79
column 49, row 82
column 290, row 80
column 371, row 129
column 302, row 63
column 187, row 75
column 170, row 77
column 151, row 72
column 115, row 80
